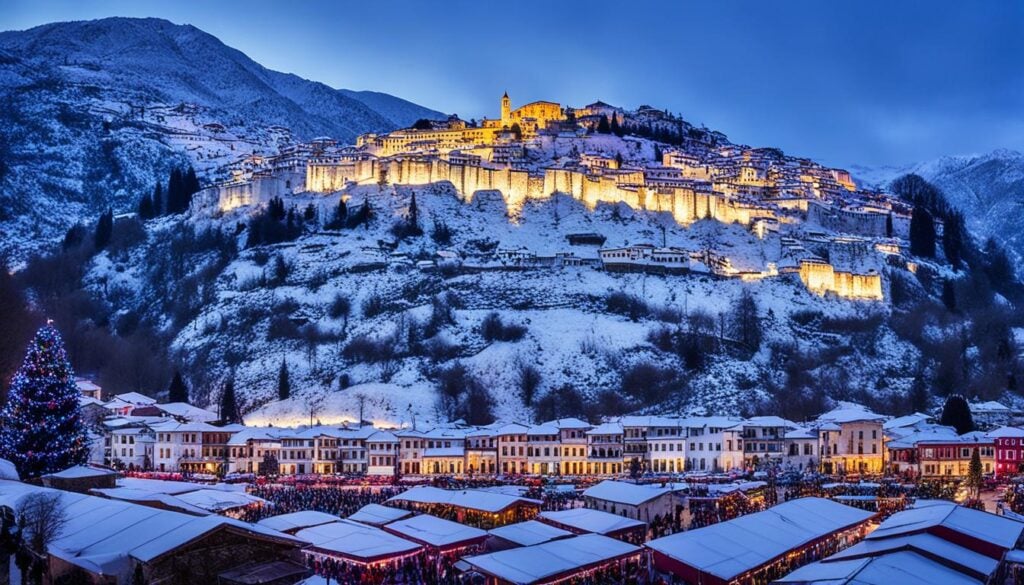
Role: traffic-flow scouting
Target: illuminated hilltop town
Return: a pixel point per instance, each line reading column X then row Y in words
column 824, row 228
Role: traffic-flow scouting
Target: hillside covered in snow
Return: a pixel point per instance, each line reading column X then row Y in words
column 987, row 188
column 94, row 112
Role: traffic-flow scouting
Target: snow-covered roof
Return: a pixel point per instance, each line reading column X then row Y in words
column 593, row 521
column 8, row 470
column 103, row 535
column 512, row 429
column 154, row 499
column 625, row 493
column 297, row 520
column 990, row 407
column 84, row 400
column 434, row 531
column 378, row 515
column 529, row 533
column 905, row 568
column 382, row 437
column 608, row 428
column 80, row 471
column 931, row 434
column 768, row 421
column 569, row 423
column 729, row 549
column 997, row 530
column 356, row 541
column 86, row 385
column 540, row 563
column 908, row 420
column 927, row 544
column 543, row 429
column 1006, row 433
column 649, row 421
column 134, row 398
column 848, row 412
column 187, row 411
column 474, row 499
column 160, row 486
column 219, row 500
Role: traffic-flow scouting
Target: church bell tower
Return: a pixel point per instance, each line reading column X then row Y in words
column 506, row 110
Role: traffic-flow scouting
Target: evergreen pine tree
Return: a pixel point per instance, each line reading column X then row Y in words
column 414, row 212
column 949, row 295
column 919, row 394
column 41, row 427
column 602, row 126
column 175, row 193
column 158, row 199
column 974, row 471
column 177, row 391
column 956, row 413
column 658, row 155
column 614, row 127
column 104, row 230
column 146, row 207
column 228, row 404
column 922, row 233
column 953, row 234
column 745, row 326
column 284, row 387
column 190, row 185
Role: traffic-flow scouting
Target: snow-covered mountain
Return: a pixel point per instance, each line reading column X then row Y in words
column 95, row 111
column 988, row 188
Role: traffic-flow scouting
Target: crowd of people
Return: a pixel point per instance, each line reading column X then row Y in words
column 341, row 501
column 420, row 569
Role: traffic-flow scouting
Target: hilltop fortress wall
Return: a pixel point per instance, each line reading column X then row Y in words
column 516, row 186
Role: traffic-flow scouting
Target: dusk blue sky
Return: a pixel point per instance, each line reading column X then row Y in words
column 844, row 82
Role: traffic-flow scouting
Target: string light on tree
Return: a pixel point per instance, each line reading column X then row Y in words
column 42, row 430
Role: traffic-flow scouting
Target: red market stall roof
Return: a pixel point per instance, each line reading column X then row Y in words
column 585, row 520
column 437, row 532
column 551, row 561
column 356, row 542
column 727, row 550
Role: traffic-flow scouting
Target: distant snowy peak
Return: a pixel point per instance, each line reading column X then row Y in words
column 153, row 59
column 988, row 188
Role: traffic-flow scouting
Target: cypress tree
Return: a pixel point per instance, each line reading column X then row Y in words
column 614, row 127
column 922, row 233
column 146, row 207
column 956, row 413
column 177, row 391
column 229, row 404
column 158, row 199
column 104, row 230
column 603, row 126
column 284, row 387
column 953, row 240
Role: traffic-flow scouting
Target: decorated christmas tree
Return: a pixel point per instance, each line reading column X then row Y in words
column 41, row 429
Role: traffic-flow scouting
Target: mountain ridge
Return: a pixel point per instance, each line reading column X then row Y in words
column 97, row 111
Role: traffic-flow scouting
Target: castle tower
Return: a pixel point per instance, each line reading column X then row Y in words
column 506, row 110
